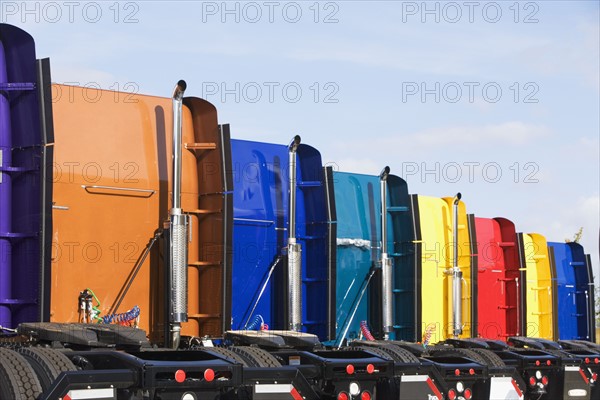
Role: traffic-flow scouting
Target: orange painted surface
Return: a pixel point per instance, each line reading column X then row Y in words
column 112, row 171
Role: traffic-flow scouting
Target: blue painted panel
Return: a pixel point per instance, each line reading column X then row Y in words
column 401, row 246
column 358, row 206
column 566, row 291
column 583, row 286
column 311, row 233
column 260, row 199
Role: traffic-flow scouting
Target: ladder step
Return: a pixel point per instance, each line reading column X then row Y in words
column 401, row 291
column 204, row 316
column 309, row 184
column 397, row 209
column 200, row 146
column 539, row 256
column 202, row 211
column 204, row 264
column 311, row 237
column 506, row 244
column 577, row 263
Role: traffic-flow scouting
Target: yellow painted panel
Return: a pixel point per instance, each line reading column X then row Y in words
column 435, row 217
column 539, row 287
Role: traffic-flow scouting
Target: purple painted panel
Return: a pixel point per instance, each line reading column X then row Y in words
column 20, row 189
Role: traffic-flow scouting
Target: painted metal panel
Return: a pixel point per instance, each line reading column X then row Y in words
column 498, row 278
column 260, row 209
column 260, row 198
column 402, row 248
column 112, row 175
column 567, row 313
column 580, row 265
column 492, row 302
column 539, row 291
column 358, row 205
column 22, row 180
column 312, row 234
column 435, row 240
column 510, row 252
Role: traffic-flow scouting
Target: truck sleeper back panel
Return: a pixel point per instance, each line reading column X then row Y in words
column 112, row 193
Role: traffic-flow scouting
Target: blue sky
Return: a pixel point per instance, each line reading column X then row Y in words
column 497, row 100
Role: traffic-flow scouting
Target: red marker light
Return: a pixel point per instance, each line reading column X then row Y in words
column 451, row 394
column 471, row 371
column 537, row 363
column 548, row 362
column 587, row 360
column 342, row 396
column 596, row 360
column 457, row 372
column 365, row 396
column 179, row 375
column 468, row 394
column 544, row 380
column 209, row 375
column 349, row 369
column 532, row 381
column 370, row 368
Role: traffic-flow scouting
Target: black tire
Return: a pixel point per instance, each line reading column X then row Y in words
column 467, row 353
column 379, row 352
column 17, row 379
column 228, row 353
column 492, row 359
column 256, row 357
column 398, row 354
column 46, row 363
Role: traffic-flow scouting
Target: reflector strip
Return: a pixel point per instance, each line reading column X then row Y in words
column 585, row 378
column 434, row 388
column 276, row 388
column 572, row 368
column 273, row 388
column 81, row 394
column 414, row 378
column 517, row 388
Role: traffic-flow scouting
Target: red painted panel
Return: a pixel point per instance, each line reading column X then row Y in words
column 498, row 267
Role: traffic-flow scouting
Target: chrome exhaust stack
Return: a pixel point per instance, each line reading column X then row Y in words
column 456, row 273
column 178, row 222
column 294, row 249
column 386, row 262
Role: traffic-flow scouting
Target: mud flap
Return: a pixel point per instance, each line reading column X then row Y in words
column 576, row 383
column 419, row 386
column 505, row 387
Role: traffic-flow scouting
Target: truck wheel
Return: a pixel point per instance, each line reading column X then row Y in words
column 378, row 351
column 492, row 359
column 17, row 379
column 467, row 353
column 227, row 353
column 403, row 354
column 46, row 363
column 256, row 357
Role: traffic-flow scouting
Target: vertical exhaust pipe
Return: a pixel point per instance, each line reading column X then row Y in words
column 456, row 273
column 294, row 249
column 386, row 262
column 177, row 228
